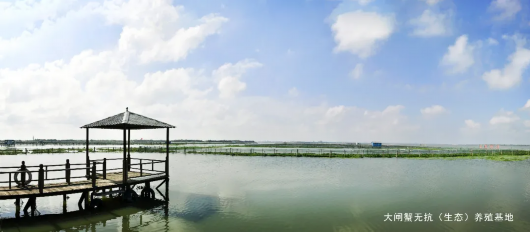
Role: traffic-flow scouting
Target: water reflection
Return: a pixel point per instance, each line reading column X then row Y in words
column 197, row 207
column 106, row 219
column 131, row 217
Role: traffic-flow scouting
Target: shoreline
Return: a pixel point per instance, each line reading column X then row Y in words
column 509, row 155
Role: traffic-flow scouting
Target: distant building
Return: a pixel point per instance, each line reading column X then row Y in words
column 9, row 142
column 377, row 144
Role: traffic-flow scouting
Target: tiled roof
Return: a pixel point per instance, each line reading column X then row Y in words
column 128, row 120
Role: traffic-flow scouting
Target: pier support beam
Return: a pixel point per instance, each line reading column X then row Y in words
column 125, row 159
column 17, row 208
column 129, row 150
column 167, row 153
column 125, row 223
column 166, row 197
column 84, row 197
column 87, row 202
column 87, row 158
column 64, row 204
column 32, row 203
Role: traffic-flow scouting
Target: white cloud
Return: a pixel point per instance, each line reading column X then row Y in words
column 433, row 110
column 527, row 105
column 361, row 32
column 512, row 73
column 155, row 35
column 432, row 2
column 527, row 123
column 504, row 117
column 364, row 2
column 19, row 15
column 492, row 41
column 459, row 57
column 228, row 76
column 293, row 92
column 430, row 24
column 162, row 33
column 472, row 124
column 506, row 9
column 56, row 31
column 357, row 72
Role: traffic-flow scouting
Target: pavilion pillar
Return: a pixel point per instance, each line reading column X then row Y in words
column 124, row 158
column 129, row 150
column 167, row 152
column 87, row 158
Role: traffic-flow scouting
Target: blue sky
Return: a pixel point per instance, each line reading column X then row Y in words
column 426, row 71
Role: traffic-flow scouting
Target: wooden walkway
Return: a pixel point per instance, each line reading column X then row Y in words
column 113, row 180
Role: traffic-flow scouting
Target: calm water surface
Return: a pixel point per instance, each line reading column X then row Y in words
column 230, row 193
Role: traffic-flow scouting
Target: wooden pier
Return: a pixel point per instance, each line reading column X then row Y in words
column 94, row 179
column 102, row 181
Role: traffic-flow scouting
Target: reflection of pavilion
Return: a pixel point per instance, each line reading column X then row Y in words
column 84, row 221
column 135, row 216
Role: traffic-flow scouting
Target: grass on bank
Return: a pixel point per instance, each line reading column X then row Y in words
column 517, row 155
column 490, row 157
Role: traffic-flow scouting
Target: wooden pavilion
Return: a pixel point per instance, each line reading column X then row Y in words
column 127, row 121
column 98, row 180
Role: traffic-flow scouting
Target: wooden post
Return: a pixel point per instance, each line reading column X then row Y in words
column 141, row 167
column 67, row 171
column 94, row 174
column 41, row 179
column 87, row 159
column 129, row 150
column 64, row 203
column 124, row 158
column 167, row 152
column 104, row 168
column 152, row 165
column 167, row 190
column 17, row 207
column 23, row 174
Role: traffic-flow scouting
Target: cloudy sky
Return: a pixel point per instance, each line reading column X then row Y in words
column 421, row 71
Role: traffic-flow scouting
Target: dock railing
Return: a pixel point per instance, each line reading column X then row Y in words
column 144, row 166
column 26, row 174
column 23, row 176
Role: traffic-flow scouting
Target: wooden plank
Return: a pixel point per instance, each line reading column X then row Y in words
column 113, row 180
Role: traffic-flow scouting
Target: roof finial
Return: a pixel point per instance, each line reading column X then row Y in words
column 127, row 109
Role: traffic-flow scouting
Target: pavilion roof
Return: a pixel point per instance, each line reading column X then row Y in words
column 128, row 120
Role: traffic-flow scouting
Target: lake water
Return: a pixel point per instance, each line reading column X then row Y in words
column 230, row 193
